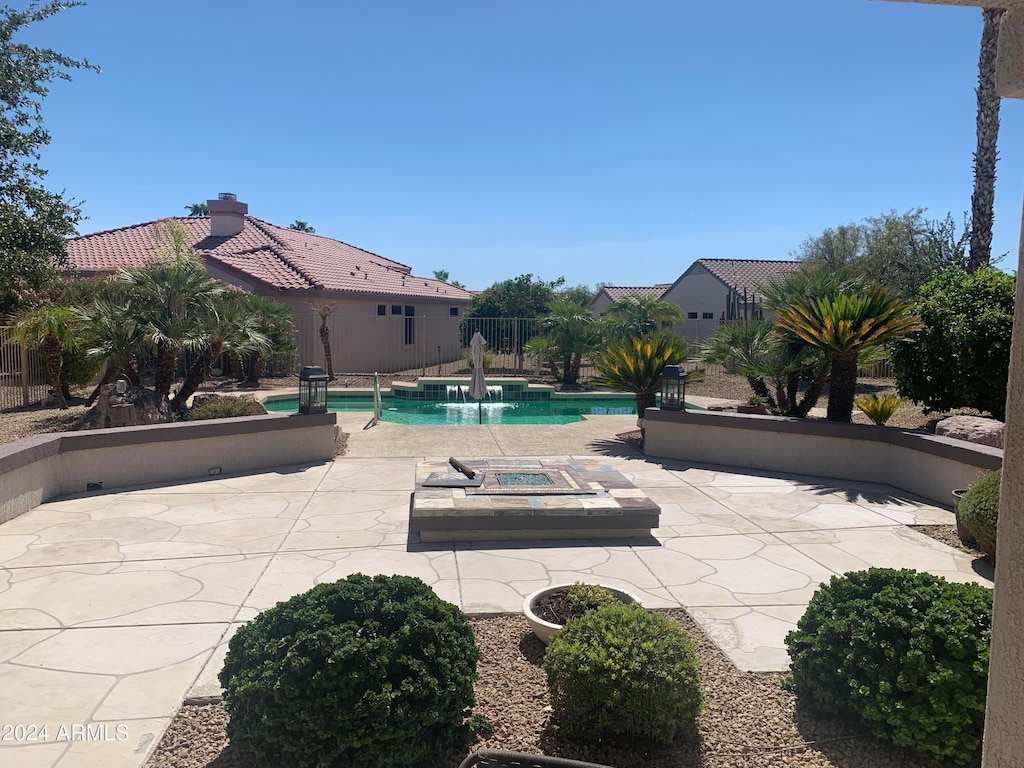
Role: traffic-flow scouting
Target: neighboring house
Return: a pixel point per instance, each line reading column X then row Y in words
column 384, row 318
column 714, row 290
column 612, row 293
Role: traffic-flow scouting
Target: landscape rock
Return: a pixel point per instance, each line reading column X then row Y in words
column 136, row 407
column 974, row 429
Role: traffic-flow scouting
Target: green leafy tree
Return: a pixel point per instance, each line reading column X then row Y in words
column 197, row 210
column 51, row 329
column 521, row 296
column 577, row 294
column 634, row 364
column 640, row 315
column 845, row 325
column 34, row 222
column 960, row 357
column 302, row 226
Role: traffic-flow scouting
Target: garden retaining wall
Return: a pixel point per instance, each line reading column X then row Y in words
column 917, row 462
column 36, row 469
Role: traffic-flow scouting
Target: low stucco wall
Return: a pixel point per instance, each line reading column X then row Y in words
column 36, row 469
column 920, row 463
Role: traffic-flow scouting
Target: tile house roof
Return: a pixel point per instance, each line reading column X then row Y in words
column 619, row 292
column 278, row 257
column 747, row 274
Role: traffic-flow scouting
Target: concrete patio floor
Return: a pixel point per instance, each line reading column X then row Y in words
column 115, row 607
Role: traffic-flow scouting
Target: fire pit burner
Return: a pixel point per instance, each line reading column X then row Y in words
column 523, row 478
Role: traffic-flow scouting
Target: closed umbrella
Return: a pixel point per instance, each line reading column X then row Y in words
column 478, row 384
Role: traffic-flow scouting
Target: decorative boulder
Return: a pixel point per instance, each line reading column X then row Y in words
column 973, row 429
column 136, row 407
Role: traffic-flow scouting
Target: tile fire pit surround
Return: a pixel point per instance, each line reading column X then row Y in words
column 551, row 498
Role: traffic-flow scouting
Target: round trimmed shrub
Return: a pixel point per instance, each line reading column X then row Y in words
column 362, row 673
column 623, row 672
column 979, row 510
column 904, row 653
column 226, row 408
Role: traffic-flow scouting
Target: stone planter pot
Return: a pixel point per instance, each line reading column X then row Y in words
column 961, row 530
column 545, row 630
column 760, row 410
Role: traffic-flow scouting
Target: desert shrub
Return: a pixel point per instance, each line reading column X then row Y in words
column 361, row 673
column 961, row 357
column 587, row 597
column 226, row 408
column 622, row 672
column 979, row 510
column 904, row 653
column 879, row 408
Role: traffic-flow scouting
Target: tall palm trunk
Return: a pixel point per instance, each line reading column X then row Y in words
column 54, row 352
column 197, row 374
column 813, row 393
column 108, row 376
column 843, row 387
column 166, row 362
column 259, row 366
column 325, row 339
column 985, row 156
column 237, row 365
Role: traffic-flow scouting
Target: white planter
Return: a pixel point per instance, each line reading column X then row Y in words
column 545, row 630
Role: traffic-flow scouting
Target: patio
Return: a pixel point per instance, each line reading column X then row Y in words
column 115, row 607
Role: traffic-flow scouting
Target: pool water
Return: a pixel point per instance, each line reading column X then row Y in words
column 560, row 411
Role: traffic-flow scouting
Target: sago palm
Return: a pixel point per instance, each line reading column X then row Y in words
column 845, row 325
column 51, row 329
column 634, row 364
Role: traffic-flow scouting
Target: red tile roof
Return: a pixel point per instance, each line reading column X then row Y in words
column 276, row 256
column 747, row 274
column 619, row 292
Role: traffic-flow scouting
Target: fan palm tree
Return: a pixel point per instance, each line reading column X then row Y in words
column 985, row 156
column 174, row 297
column 52, row 329
column 845, row 325
column 275, row 322
column 574, row 333
column 302, row 226
column 197, row 209
column 114, row 333
column 634, row 364
column 640, row 315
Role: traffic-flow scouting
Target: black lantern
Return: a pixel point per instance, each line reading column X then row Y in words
column 673, row 388
column 312, row 389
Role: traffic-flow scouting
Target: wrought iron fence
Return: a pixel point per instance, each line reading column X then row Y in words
column 22, row 373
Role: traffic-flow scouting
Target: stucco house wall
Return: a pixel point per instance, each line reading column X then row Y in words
column 702, row 293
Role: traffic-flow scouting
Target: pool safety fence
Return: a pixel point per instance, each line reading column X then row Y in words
column 23, row 379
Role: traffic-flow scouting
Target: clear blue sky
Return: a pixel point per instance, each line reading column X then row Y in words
column 602, row 141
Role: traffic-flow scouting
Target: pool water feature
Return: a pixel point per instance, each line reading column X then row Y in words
column 557, row 410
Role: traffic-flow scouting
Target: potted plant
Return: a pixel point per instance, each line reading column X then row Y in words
column 548, row 609
column 755, row 404
column 961, row 530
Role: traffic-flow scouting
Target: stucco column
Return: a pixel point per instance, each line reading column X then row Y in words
column 1004, row 716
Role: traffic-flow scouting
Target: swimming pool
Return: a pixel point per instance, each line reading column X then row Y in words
column 402, row 411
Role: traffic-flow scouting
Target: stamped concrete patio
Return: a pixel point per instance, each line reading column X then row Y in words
column 114, row 607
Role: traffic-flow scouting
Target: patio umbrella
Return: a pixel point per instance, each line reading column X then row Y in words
column 477, row 384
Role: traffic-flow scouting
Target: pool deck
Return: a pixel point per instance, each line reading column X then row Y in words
column 114, row 607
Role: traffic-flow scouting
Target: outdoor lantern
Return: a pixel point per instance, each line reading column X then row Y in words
column 312, row 389
column 673, row 388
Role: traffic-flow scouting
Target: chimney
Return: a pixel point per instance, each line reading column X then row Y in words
column 227, row 215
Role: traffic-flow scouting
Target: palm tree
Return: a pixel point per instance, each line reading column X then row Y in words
column 634, row 364
column 274, row 321
column 174, row 298
column 985, row 156
column 325, row 311
column 196, row 210
column 302, row 226
column 52, row 329
column 845, row 325
column 574, row 333
column 640, row 315
column 114, row 333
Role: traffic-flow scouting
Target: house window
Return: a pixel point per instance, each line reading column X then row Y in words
column 410, row 325
column 453, row 311
column 396, row 309
column 382, row 309
column 708, row 316
column 691, row 315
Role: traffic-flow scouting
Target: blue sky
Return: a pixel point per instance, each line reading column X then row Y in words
column 595, row 140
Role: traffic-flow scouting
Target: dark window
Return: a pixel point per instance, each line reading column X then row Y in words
column 410, row 325
column 396, row 309
column 382, row 309
column 453, row 311
column 709, row 316
column 691, row 315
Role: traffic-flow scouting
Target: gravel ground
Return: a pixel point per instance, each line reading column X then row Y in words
column 748, row 721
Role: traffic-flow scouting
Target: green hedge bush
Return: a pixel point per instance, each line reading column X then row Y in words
column 226, row 408
column 979, row 510
column 622, row 672
column 904, row 653
column 361, row 673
